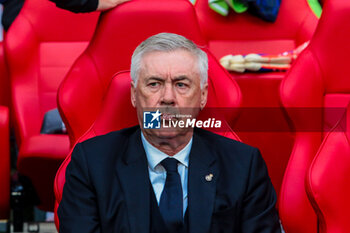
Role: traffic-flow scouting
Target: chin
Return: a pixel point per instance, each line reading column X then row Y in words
column 166, row 134
column 170, row 133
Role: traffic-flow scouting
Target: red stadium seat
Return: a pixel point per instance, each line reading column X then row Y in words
column 328, row 179
column 4, row 163
column 40, row 46
column 243, row 34
column 117, row 113
column 4, row 138
column 315, row 92
column 118, row 33
column 120, row 30
column 4, row 79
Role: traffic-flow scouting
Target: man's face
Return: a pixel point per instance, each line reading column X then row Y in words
column 169, row 81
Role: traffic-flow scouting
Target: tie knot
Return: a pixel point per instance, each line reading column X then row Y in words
column 170, row 164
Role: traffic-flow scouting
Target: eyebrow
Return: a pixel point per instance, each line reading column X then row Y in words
column 154, row 78
column 181, row 77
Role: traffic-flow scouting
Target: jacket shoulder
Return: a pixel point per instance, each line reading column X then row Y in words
column 103, row 147
column 224, row 142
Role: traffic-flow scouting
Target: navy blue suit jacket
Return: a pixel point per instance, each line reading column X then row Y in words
column 107, row 187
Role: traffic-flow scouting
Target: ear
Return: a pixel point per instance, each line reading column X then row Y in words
column 204, row 95
column 133, row 94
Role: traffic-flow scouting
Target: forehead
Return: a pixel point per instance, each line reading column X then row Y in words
column 177, row 62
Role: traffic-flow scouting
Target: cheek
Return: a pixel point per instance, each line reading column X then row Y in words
column 193, row 99
column 146, row 99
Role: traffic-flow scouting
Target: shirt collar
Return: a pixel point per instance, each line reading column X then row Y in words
column 155, row 156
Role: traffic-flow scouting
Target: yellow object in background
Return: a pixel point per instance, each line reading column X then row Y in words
column 260, row 62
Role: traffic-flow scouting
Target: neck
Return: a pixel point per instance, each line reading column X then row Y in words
column 169, row 145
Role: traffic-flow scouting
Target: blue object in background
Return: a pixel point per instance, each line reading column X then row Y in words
column 11, row 8
column 264, row 9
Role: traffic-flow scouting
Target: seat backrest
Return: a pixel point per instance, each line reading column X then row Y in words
column 318, row 82
column 40, row 46
column 244, row 33
column 327, row 181
column 118, row 33
column 117, row 113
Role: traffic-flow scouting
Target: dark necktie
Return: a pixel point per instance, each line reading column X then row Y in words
column 170, row 204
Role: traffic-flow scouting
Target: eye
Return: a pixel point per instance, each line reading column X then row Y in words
column 181, row 84
column 153, row 84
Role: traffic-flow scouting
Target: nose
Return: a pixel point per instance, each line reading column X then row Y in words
column 168, row 95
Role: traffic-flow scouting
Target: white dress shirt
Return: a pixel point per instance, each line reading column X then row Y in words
column 157, row 173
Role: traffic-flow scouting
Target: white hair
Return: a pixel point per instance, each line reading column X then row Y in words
column 167, row 42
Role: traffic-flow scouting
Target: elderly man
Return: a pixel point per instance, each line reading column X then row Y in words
column 177, row 179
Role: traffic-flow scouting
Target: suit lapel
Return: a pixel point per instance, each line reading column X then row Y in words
column 202, row 176
column 134, row 179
